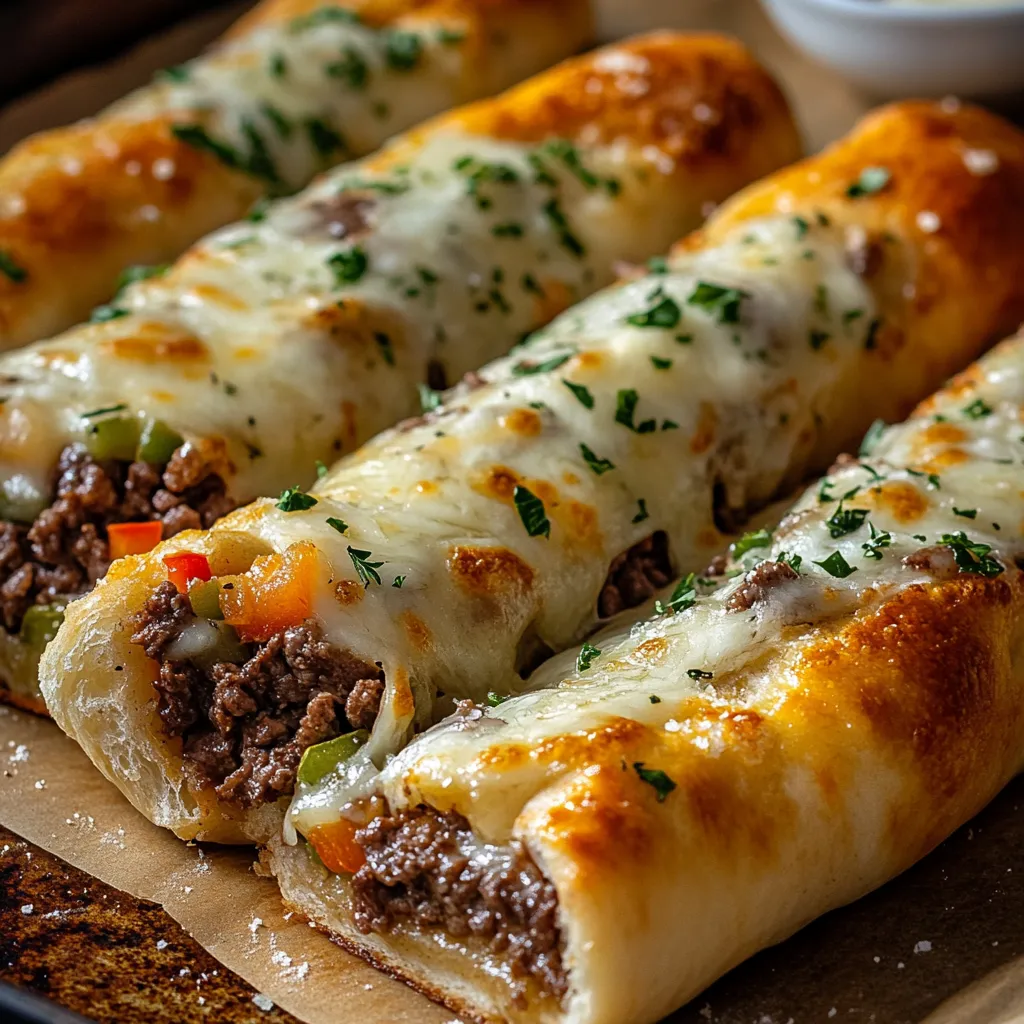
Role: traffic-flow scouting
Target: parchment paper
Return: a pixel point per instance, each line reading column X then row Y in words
column 51, row 795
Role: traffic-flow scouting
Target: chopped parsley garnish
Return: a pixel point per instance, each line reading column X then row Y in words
column 529, row 284
column 294, row 499
column 561, row 225
column 582, row 393
column 494, row 699
column 836, row 565
column 719, row 300
column 871, row 180
column 699, row 673
column 749, row 541
column 642, row 512
column 398, row 582
column 595, row 462
column 365, row 569
column 531, row 512
column 349, row 266
column 278, row 66
column 321, row 470
column 527, row 369
column 478, row 173
column 657, row 265
column 873, row 548
column 818, row 338
column 802, row 226
column 683, row 596
column 322, row 16
column 120, row 407
column 934, row 482
column 971, row 556
column 850, row 315
column 588, row 652
column 138, row 272
column 625, row 409
column 337, row 524
column 662, row 784
column 977, row 410
column 845, row 520
column 257, row 162
column 562, row 149
column 323, row 138
column 510, row 230
column 665, row 313
column 258, row 210
column 669, row 425
column 967, row 513
column 871, row 438
column 794, row 561
column 661, row 364
column 388, row 188
column 352, row 69
column 101, row 314
column 429, row 398
column 387, row 352
column 871, row 338
column 821, row 300
column 175, row 73
column 449, row 36
column 403, row 50
column 282, row 125
column 684, row 339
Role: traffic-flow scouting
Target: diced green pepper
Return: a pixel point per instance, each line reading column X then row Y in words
column 158, row 443
column 322, row 758
column 114, row 438
column 205, row 598
column 227, row 648
column 40, row 625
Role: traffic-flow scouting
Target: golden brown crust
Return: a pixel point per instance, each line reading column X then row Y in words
column 971, row 244
column 739, row 101
column 81, row 203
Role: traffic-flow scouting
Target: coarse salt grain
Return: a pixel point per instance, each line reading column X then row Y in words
column 256, row 922
column 27, row 908
column 981, row 161
column 40, row 784
column 265, row 1003
column 832, row 1012
column 924, row 946
column 161, row 944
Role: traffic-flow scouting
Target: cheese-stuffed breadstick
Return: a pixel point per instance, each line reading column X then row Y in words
column 296, row 86
column 292, row 336
column 557, row 486
column 777, row 740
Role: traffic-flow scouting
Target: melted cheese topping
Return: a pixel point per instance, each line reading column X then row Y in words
column 284, row 100
column 726, row 392
column 299, row 333
column 949, row 479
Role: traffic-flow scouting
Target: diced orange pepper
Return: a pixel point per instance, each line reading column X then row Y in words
column 276, row 592
column 134, row 538
column 336, row 846
column 187, row 566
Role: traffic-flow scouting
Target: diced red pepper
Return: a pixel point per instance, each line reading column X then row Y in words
column 187, row 566
column 134, row 538
column 335, row 844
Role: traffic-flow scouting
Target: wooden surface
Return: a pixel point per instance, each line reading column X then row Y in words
column 95, row 950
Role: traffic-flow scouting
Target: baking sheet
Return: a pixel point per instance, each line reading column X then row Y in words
column 893, row 957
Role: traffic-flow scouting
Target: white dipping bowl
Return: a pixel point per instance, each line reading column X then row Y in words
column 923, row 49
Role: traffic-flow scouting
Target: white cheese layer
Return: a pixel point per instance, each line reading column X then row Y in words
column 703, row 385
column 939, row 495
column 286, row 99
column 297, row 334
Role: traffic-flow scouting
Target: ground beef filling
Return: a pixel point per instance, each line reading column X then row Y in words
column 244, row 727
column 429, row 867
column 636, row 575
column 64, row 552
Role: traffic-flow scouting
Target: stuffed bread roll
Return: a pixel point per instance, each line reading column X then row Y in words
column 788, row 735
column 550, row 490
column 295, row 335
column 296, row 86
